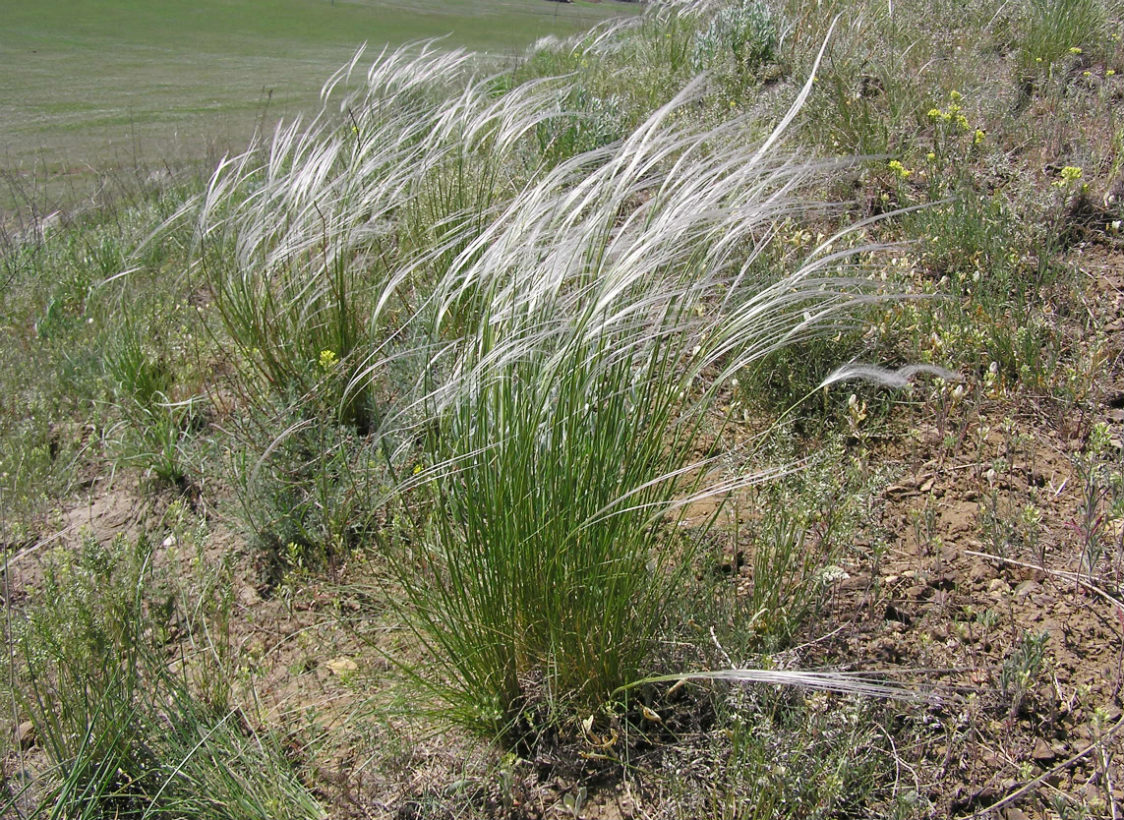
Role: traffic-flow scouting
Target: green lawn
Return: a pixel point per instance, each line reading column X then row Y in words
column 101, row 83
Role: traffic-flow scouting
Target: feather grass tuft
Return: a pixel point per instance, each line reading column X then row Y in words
column 554, row 335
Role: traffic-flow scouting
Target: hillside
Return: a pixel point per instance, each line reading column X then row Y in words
column 717, row 414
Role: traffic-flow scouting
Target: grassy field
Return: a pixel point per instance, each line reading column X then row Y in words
column 120, row 83
column 720, row 415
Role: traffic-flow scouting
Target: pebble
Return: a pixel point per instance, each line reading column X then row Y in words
column 25, row 734
column 342, row 666
column 1042, row 752
column 997, row 586
column 981, row 572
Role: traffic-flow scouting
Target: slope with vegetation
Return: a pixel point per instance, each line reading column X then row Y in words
column 715, row 415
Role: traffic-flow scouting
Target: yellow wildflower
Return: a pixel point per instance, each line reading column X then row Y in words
column 899, row 170
column 1070, row 174
column 328, row 359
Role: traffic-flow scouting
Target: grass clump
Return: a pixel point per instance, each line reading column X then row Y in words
column 570, row 323
column 567, row 434
column 1055, row 30
column 318, row 251
column 123, row 731
column 153, row 424
column 309, row 245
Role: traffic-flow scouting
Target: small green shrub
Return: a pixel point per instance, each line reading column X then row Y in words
column 308, row 497
column 972, row 248
column 748, row 35
column 1021, row 669
column 595, row 121
column 795, row 755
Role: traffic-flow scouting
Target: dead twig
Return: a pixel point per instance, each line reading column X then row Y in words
column 1057, row 573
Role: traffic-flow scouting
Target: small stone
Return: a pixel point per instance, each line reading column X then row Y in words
column 917, row 592
column 25, row 735
column 981, row 572
column 342, row 666
column 997, row 586
column 1042, row 752
column 945, row 583
column 1057, row 780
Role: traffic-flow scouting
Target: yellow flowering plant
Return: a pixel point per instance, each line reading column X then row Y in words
column 899, row 170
